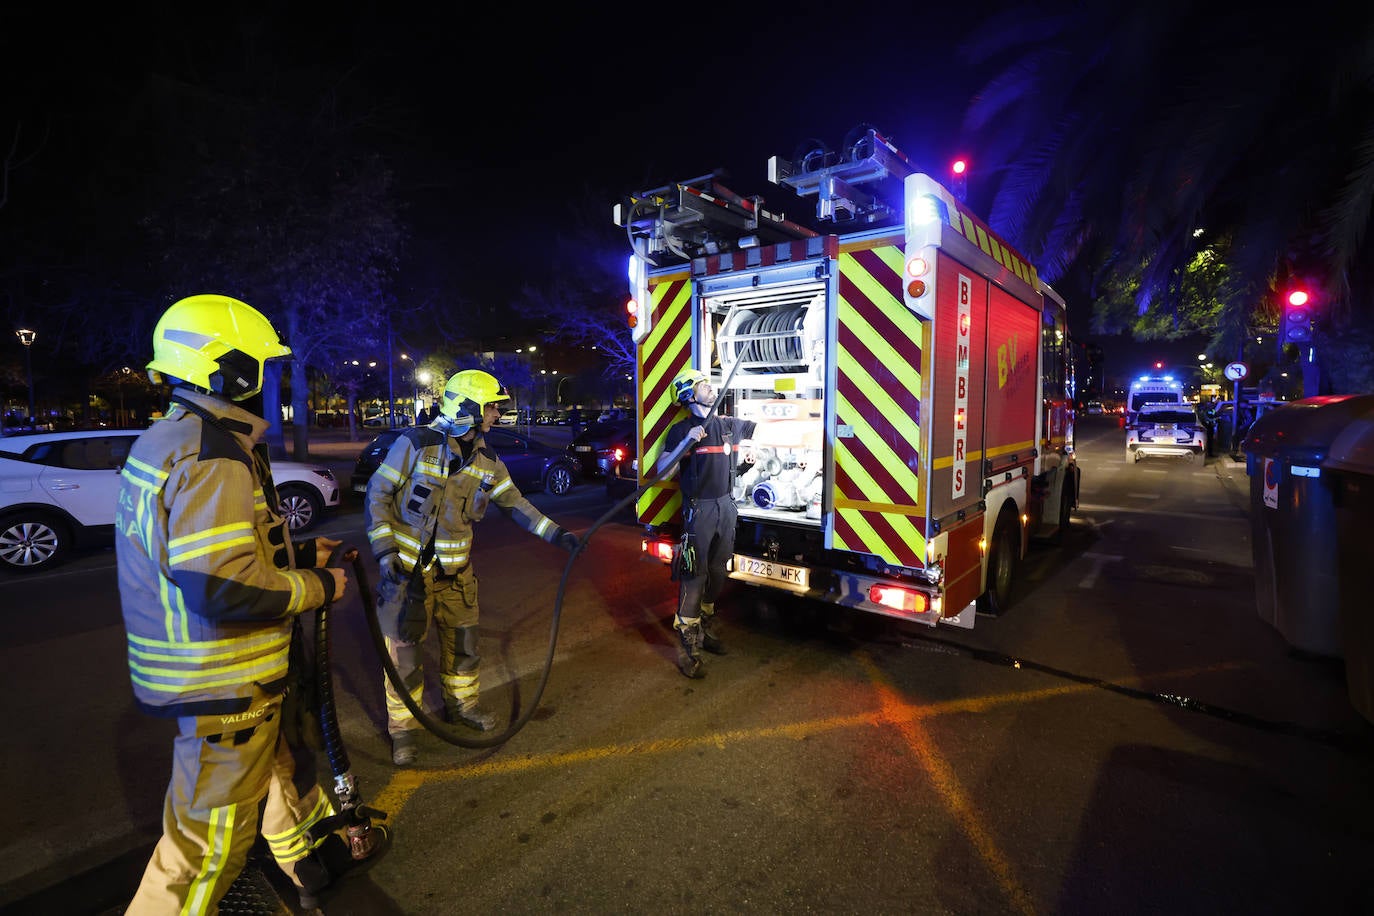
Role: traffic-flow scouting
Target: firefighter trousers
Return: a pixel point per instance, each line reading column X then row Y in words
column 211, row 815
column 713, row 527
column 451, row 606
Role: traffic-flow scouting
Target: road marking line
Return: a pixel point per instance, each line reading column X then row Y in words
column 1099, row 560
column 898, row 713
column 394, row 796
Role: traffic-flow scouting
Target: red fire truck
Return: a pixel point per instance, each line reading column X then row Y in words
column 909, row 373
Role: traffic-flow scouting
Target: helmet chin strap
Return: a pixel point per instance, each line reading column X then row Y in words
column 454, row 426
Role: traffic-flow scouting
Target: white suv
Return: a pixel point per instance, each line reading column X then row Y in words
column 1167, row 430
column 58, row 491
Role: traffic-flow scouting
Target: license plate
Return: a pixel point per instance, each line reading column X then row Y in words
column 582, row 448
column 796, row 576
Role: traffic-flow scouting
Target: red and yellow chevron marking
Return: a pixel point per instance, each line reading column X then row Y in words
column 664, row 353
column 879, row 508
column 992, row 244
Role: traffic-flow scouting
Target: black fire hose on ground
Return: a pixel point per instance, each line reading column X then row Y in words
column 443, row 730
column 363, row 839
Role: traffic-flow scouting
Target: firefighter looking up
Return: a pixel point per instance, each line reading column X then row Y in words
column 708, row 514
column 211, row 587
column 434, row 485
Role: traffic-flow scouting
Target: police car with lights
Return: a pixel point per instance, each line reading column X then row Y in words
column 1166, row 431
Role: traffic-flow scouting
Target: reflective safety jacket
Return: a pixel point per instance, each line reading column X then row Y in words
column 206, row 565
column 424, row 486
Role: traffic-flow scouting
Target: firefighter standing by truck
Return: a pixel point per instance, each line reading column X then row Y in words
column 709, row 514
column 211, row 587
column 434, row 485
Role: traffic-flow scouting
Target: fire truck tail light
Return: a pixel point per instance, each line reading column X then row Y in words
column 631, row 313
column 917, row 266
column 899, row 599
column 657, row 549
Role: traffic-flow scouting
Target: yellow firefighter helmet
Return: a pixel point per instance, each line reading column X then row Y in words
column 216, row 343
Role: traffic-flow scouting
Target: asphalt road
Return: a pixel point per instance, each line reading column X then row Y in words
column 1129, row 738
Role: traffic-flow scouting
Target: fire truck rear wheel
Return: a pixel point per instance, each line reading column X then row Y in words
column 1002, row 560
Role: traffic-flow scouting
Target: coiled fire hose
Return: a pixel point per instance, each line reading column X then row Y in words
column 443, row 730
column 363, row 839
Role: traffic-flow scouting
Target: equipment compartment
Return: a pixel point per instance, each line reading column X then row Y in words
column 777, row 336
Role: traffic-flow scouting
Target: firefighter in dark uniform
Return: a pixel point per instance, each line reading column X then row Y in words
column 435, row 483
column 708, row 513
column 211, row 586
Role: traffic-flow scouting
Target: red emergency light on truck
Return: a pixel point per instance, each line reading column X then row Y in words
column 910, row 377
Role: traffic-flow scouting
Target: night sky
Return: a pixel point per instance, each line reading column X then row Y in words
column 506, row 120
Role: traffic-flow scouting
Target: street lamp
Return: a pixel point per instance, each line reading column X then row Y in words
column 423, row 378
column 558, row 392
column 27, row 337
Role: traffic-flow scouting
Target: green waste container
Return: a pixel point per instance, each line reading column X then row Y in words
column 1350, row 465
column 1293, row 518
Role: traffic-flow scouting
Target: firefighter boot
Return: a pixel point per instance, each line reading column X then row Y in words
column 404, row 750
column 472, row 715
column 710, row 630
column 691, row 637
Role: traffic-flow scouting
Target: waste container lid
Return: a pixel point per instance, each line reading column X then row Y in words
column 1353, row 448
column 1304, row 430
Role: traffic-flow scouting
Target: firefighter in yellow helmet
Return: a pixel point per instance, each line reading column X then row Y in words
column 436, row 482
column 211, row 586
column 705, row 449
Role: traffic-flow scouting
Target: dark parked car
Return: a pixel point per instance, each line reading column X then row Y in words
column 623, row 477
column 533, row 465
column 601, row 445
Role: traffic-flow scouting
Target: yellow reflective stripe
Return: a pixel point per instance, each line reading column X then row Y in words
column 174, row 543
column 196, row 668
column 207, row 647
column 503, row 487
column 218, row 538
column 542, row 525
column 294, row 843
column 219, row 842
column 181, row 558
column 270, row 669
column 148, row 485
column 404, row 540
column 158, row 475
column 388, row 473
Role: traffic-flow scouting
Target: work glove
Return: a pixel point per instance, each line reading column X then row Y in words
column 391, row 567
column 568, row 541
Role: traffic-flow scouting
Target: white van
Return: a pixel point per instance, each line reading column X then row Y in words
column 1152, row 390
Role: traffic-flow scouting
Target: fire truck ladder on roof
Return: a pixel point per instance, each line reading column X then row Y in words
column 689, row 219
column 868, row 158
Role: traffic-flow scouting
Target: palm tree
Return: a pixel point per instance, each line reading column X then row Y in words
column 1124, row 140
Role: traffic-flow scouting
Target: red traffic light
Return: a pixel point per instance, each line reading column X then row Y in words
column 1298, row 297
column 959, row 166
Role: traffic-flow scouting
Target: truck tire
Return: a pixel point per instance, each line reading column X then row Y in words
column 1003, row 558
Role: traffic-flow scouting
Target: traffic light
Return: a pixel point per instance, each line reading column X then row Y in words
column 958, row 175
column 1296, row 327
